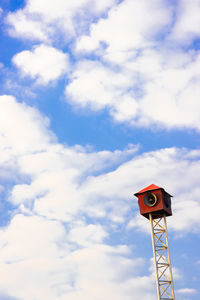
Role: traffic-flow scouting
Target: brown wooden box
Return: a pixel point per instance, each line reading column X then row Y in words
column 154, row 199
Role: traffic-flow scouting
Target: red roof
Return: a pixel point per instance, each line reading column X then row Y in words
column 151, row 187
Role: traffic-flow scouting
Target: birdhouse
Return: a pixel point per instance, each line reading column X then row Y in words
column 155, row 200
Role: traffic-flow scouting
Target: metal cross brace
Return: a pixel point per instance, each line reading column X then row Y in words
column 164, row 280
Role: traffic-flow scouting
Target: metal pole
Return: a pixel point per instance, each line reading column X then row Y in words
column 170, row 269
column 154, row 255
column 164, row 280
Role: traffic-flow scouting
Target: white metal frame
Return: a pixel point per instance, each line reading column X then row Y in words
column 164, row 280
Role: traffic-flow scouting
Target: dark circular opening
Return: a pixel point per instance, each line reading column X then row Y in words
column 150, row 199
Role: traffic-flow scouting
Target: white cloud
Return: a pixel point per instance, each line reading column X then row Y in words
column 186, row 291
column 171, row 96
column 187, row 22
column 62, row 182
column 131, row 76
column 125, row 29
column 31, row 235
column 164, row 80
column 51, row 171
column 33, row 258
column 24, row 27
column 51, row 11
column 145, row 91
column 44, row 63
column 39, row 261
column 44, row 20
column 97, row 86
column 22, row 128
column 87, row 235
column 138, row 76
column 100, row 283
column 58, row 174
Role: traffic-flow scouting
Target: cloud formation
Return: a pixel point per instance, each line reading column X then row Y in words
column 77, row 178
column 44, row 63
column 140, row 72
column 61, row 198
column 49, row 249
column 127, row 20
column 162, row 92
column 43, row 21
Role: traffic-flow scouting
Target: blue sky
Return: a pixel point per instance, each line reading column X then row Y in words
column 98, row 100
